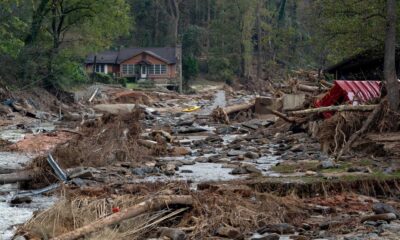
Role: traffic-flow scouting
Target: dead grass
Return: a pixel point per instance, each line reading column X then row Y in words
column 243, row 209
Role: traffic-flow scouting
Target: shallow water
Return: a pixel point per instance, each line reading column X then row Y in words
column 12, row 216
column 9, row 160
column 15, row 215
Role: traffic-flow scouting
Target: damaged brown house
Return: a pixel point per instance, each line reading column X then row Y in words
column 367, row 65
column 162, row 65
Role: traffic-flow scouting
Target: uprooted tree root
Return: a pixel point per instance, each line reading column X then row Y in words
column 111, row 139
column 244, row 210
column 334, row 132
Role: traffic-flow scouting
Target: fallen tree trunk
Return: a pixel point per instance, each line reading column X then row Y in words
column 239, row 107
column 283, row 116
column 340, row 108
column 149, row 205
column 21, row 176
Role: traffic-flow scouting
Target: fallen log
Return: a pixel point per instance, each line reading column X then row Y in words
column 149, row 205
column 147, row 143
column 21, row 176
column 115, row 108
column 239, row 107
column 340, row 108
column 283, row 116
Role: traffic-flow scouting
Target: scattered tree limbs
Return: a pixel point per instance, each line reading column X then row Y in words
column 340, row 108
column 371, row 118
column 149, row 205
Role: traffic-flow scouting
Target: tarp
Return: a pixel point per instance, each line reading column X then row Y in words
column 350, row 92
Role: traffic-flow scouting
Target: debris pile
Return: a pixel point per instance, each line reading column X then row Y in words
column 219, row 164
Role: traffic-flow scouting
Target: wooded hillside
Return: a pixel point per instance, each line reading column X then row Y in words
column 45, row 41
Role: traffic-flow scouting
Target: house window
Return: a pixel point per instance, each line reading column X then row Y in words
column 99, row 68
column 128, row 69
column 157, row 69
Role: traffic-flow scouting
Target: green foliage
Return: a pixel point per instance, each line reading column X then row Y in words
column 69, row 73
column 190, row 68
column 11, row 25
column 192, row 41
column 102, row 78
column 220, row 70
column 60, row 35
column 345, row 28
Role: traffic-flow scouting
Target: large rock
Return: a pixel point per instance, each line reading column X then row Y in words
column 234, row 153
column 326, row 164
column 172, row 233
column 273, row 236
column 239, row 171
column 380, row 208
column 252, row 155
column 229, row 232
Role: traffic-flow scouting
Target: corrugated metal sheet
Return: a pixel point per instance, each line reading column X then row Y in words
column 360, row 91
column 351, row 92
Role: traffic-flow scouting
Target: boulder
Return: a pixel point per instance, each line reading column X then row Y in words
column 380, row 208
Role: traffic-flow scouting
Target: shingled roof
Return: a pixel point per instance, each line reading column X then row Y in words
column 166, row 54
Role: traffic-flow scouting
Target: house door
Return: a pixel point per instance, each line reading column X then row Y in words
column 143, row 73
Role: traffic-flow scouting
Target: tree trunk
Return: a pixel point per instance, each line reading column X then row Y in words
column 149, row 205
column 392, row 85
column 208, row 27
column 157, row 23
column 258, row 41
column 340, row 108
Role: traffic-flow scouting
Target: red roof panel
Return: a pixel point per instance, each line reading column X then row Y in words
column 352, row 92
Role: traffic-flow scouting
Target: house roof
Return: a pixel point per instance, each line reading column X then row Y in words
column 165, row 54
column 352, row 92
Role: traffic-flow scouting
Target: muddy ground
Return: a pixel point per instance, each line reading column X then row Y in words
column 256, row 177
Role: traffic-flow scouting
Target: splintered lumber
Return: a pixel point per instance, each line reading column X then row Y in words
column 307, row 88
column 340, row 108
column 239, row 107
column 93, row 95
column 324, row 82
column 149, row 205
column 21, row 176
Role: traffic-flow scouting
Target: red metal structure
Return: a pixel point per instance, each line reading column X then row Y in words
column 350, row 92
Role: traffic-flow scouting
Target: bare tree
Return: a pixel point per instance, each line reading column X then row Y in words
column 173, row 12
column 391, row 83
